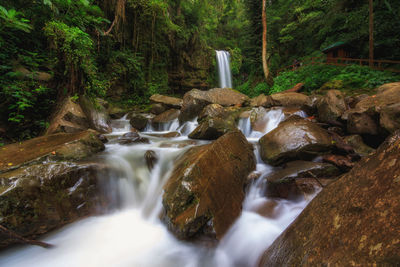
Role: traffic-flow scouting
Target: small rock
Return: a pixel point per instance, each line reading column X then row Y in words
column 344, row 163
column 151, row 159
column 138, row 121
column 157, row 109
column 358, row 145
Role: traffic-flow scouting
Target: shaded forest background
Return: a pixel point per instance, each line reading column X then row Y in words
column 127, row 50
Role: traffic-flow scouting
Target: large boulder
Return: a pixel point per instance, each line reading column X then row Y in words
column 290, row 99
column 212, row 128
column 353, row 222
column 42, row 197
column 294, row 138
column 215, row 121
column 166, row 116
column 167, row 101
column 331, row 106
column 69, row 119
column 375, row 110
column 138, row 121
column 96, row 114
column 390, row 117
column 195, row 100
column 60, row 146
column 206, row 186
column 362, row 123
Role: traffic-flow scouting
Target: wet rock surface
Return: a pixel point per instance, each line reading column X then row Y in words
column 60, row 146
column 294, row 189
column 303, row 169
column 132, row 138
column 138, row 121
column 206, row 186
column 96, row 114
column 42, row 197
column 294, row 138
column 353, row 221
column 166, row 116
column 212, row 128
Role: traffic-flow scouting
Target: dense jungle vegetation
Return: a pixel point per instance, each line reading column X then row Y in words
column 127, row 50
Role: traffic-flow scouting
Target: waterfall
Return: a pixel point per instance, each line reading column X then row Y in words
column 224, row 69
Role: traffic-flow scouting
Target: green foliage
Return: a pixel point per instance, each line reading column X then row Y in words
column 253, row 87
column 13, row 20
column 353, row 77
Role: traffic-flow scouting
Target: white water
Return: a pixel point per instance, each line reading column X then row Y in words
column 133, row 235
column 224, row 69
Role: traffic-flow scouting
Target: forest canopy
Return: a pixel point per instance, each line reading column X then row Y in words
column 127, row 50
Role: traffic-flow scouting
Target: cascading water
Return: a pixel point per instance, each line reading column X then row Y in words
column 224, row 69
column 133, row 235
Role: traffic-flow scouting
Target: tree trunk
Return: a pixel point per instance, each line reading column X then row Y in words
column 371, row 33
column 264, row 41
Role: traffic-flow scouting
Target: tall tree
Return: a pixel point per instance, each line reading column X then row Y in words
column 264, row 41
column 371, row 33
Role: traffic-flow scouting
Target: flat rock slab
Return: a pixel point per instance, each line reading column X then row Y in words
column 19, row 153
column 167, row 100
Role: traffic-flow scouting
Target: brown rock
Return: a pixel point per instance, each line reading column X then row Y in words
column 206, row 186
column 290, row 100
column 342, row 162
column 195, row 100
column 96, row 114
column 166, row 116
column 212, row 110
column 361, row 123
column 56, row 146
column 168, row 101
column 352, row 222
column 69, row 119
column 358, row 145
column 42, row 197
column 132, row 138
column 212, row 129
column 157, row 109
column 151, row 158
column 296, row 188
column 390, row 117
column 303, row 169
column 260, row 101
column 138, row 121
column 331, row 106
column 294, row 138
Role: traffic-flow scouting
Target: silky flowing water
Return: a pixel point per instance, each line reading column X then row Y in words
column 133, row 235
column 224, row 69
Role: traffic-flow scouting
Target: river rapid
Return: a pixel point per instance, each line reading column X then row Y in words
column 132, row 233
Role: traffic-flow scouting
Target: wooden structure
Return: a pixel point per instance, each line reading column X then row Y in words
column 336, row 50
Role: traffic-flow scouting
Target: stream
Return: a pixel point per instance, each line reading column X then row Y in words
column 133, row 235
